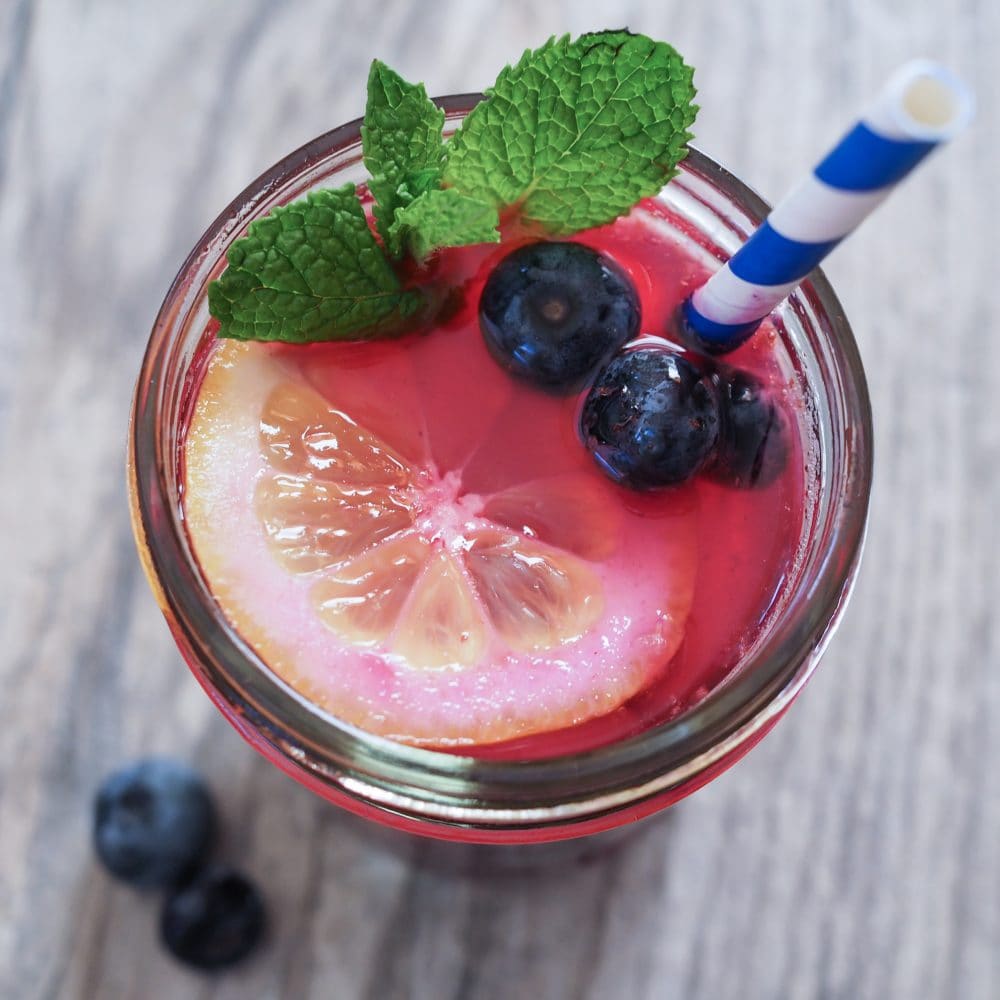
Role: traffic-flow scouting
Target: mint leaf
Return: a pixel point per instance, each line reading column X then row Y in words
column 577, row 132
column 442, row 218
column 311, row 271
column 416, row 184
column 401, row 196
column 401, row 138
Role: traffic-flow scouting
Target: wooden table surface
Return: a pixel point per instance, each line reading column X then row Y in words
column 855, row 854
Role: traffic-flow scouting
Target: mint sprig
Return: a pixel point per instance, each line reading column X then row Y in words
column 311, row 271
column 577, row 132
column 570, row 137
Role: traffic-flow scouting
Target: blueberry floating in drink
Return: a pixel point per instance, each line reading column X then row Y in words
column 551, row 313
column 651, row 418
column 753, row 442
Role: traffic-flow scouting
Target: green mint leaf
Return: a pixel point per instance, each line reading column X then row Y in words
column 416, row 184
column 403, row 195
column 442, row 218
column 401, row 138
column 577, row 132
column 311, row 270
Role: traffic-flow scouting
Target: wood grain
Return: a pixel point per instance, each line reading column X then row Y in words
column 853, row 855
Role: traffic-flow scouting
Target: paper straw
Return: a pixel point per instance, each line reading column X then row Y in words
column 922, row 106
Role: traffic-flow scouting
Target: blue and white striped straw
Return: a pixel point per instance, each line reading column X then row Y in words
column 922, row 106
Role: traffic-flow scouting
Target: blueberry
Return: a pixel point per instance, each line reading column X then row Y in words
column 753, row 445
column 552, row 313
column 213, row 920
column 153, row 821
column 651, row 418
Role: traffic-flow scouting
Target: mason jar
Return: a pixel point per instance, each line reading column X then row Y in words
column 445, row 794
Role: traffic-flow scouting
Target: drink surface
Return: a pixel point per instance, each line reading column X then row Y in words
column 421, row 545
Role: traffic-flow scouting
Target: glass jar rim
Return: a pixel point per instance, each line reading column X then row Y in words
column 445, row 786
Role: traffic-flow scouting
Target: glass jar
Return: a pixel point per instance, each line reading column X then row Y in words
column 461, row 798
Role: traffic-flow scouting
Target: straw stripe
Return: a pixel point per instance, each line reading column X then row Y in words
column 920, row 107
column 737, row 302
column 864, row 160
column 769, row 258
column 814, row 212
column 710, row 332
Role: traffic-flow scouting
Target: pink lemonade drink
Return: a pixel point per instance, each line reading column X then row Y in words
column 439, row 580
column 420, row 545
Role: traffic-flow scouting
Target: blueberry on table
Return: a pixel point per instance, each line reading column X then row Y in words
column 213, row 920
column 153, row 821
column 753, row 444
column 651, row 419
column 551, row 313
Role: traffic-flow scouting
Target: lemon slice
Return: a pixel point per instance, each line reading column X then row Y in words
column 368, row 577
